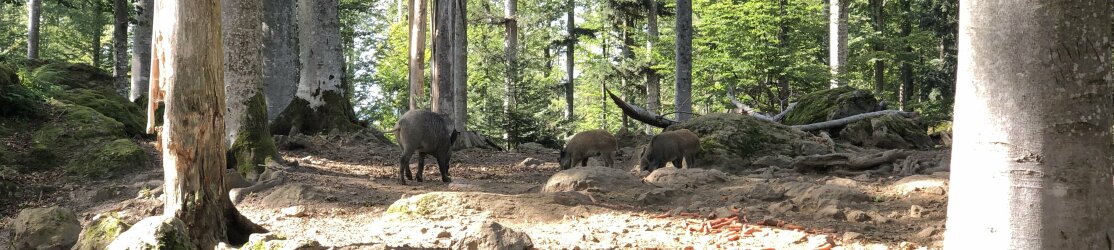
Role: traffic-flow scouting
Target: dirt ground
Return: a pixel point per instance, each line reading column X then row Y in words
column 343, row 188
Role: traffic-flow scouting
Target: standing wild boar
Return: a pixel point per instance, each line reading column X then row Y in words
column 673, row 146
column 587, row 144
column 424, row 132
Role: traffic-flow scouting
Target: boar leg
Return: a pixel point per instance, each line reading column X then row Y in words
column 607, row 161
column 584, row 163
column 690, row 160
column 677, row 163
column 404, row 166
column 443, row 167
column 421, row 166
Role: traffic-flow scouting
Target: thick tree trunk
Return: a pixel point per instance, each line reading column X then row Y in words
column 906, row 90
column 460, row 64
column 280, row 55
column 683, row 98
column 628, row 58
column 248, row 137
column 141, row 50
column 417, row 51
column 837, row 36
column 510, row 51
column 34, row 13
column 319, row 105
column 441, row 100
column 570, row 50
column 120, row 46
column 878, row 17
column 653, row 80
column 187, row 49
column 1031, row 156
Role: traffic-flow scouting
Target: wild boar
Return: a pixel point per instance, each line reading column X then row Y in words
column 427, row 133
column 588, row 144
column 673, row 146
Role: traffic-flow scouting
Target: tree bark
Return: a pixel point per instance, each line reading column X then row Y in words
column 460, row 65
column 187, row 49
column 510, row 51
column 280, row 55
column 441, row 100
column 653, row 80
column 248, row 137
column 683, row 98
column 783, row 46
column 878, row 17
column 1031, row 155
column 120, row 46
column 570, row 49
column 141, row 50
column 906, row 90
column 417, row 51
column 837, row 36
column 34, row 13
column 628, row 58
column 320, row 104
column 99, row 21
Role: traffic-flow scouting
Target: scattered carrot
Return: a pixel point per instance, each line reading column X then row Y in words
column 659, row 216
column 749, row 231
column 794, row 227
column 689, row 214
column 733, row 237
column 825, row 246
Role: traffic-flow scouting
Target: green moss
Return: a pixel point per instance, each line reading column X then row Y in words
column 79, row 75
column 830, row 104
column 108, row 104
column 16, row 99
column 420, row 205
column 100, row 232
column 733, row 141
column 253, row 144
column 85, row 142
column 107, row 159
column 299, row 118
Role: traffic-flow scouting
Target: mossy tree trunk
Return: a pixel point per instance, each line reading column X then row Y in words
column 1031, row 166
column 248, row 137
column 280, row 55
column 319, row 105
column 141, row 51
column 188, row 67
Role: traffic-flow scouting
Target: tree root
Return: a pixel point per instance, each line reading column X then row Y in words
column 237, row 194
column 846, row 161
column 471, row 139
column 239, row 228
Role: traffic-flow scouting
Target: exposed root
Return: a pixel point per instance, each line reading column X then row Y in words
column 846, row 161
column 238, row 194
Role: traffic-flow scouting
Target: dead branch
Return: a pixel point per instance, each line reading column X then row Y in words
column 744, row 108
column 640, row 114
column 846, row 161
column 780, row 116
column 850, row 119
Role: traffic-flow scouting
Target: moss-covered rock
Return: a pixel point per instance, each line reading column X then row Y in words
column 107, row 159
column 45, row 228
column 100, row 232
column 108, row 104
column 157, row 232
column 733, row 141
column 888, row 131
column 15, row 99
column 422, row 205
column 85, row 142
column 830, row 104
column 272, row 241
column 80, row 75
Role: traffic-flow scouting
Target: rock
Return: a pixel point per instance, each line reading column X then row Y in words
column 272, row 241
column 843, row 182
column 830, row 212
column 685, row 178
column 916, row 211
column 723, row 212
column 877, row 217
column 233, row 179
column 105, row 193
column 927, row 184
column 658, row 196
column 830, row 104
column 102, row 230
column 782, row 207
column 735, row 141
column 109, row 104
column 45, row 228
column 290, row 195
column 856, row 216
column 780, row 161
column 887, row 132
column 533, row 147
column 849, row 237
column 492, row 235
column 818, row 195
column 294, row 211
column 926, row 233
column 530, row 163
column 156, row 232
column 571, row 198
column 758, row 191
column 464, row 185
column 592, row 179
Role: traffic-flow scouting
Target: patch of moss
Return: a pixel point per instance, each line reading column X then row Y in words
column 420, row 205
column 16, row 99
column 80, row 75
column 300, row 118
column 100, row 232
column 108, row 104
column 830, row 104
column 110, row 158
column 253, row 144
column 75, row 129
column 733, row 141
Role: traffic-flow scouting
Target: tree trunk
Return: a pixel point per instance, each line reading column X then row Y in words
column 187, row 49
column 34, row 13
column 248, row 137
column 628, row 58
column 510, row 51
column 906, row 90
column 783, row 49
column 570, row 49
column 417, row 51
column 120, row 46
column 1031, row 155
column 683, row 99
column 319, row 105
column 441, row 100
column 141, row 50
column 653, row 80
column 837, row 36
column 280, row 55
column 460, row 65
column 878, row 17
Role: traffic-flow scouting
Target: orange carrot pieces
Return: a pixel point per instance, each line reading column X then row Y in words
column 733, row 237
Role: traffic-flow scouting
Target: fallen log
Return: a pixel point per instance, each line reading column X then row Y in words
column 744, row 108
column 850, row 119
column 779, row 116
column 640, row 114
column 846, row 161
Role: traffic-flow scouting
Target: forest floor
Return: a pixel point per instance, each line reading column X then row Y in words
column 338, row 192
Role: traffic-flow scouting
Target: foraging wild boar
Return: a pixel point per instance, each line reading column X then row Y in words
column 587, row 144
column 673, row 146
column 424, row 132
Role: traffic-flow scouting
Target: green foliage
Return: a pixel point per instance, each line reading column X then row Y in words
column 15, row 98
